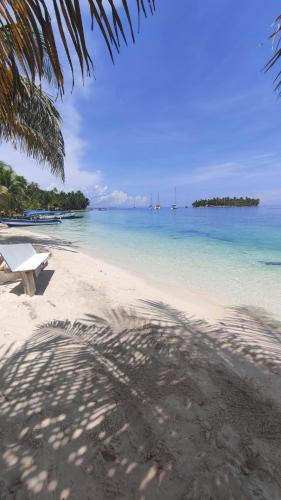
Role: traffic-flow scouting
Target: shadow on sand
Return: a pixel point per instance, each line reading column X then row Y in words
column 144, row 404
column 42, row 283
column 38, row 241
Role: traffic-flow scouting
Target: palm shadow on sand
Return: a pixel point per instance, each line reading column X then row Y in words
column 143, row 403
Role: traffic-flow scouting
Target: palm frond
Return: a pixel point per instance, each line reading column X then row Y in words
column 30, row 31
column 275, row 37
column 36, row 127
column 12, row 187
column 36, row 26
column 4, row 196
column 3, row 191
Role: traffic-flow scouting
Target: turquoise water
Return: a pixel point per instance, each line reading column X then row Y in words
column 232, row 254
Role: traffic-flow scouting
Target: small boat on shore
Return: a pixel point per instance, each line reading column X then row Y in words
column 51, row 214
column 66, row 216
column 29, row 222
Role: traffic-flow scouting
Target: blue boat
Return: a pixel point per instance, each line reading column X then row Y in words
column 38, row 213
column 47, row 214
column 29, row 222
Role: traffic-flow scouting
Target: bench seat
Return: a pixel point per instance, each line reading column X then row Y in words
column 22, row 258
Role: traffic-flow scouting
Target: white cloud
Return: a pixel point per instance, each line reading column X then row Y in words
column 248, row 168
column 212, row 172
column 120, row 198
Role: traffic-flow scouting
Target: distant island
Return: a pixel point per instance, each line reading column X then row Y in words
column 227, row 202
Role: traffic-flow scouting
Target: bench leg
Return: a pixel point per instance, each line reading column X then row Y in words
column 28, row 283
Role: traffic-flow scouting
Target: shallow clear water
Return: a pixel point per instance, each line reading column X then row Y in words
column 232, row 254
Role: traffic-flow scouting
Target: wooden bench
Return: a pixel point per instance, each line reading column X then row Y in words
column 22, row 258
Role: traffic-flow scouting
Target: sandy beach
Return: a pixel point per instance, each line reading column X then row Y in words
column 111, row 387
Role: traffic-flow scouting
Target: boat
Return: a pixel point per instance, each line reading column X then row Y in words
column 29, row 222
column 174, row 206
column 50, row 214
column 70, row 215
column 158, row 206
column 42, row 213
column 151, row 204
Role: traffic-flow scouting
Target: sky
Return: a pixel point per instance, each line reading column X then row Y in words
column 187, row 105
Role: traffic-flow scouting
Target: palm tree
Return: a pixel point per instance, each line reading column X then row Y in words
column 12, row 187
column 34, row 124
column 36, row 127
column 29, row 34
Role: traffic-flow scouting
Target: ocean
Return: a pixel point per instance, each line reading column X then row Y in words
column 230, row 254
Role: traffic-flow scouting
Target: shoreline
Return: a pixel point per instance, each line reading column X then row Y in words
column 195, row 303
column 211, row 267
column 109, row 385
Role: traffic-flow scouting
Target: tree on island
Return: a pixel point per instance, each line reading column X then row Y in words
column 227, row 202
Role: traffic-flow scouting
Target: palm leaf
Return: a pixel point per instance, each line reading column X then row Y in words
column 12, row 187
column 36, row 127
column 276, row 41
column 33, row 23
column 29, row 33
column 4, row 197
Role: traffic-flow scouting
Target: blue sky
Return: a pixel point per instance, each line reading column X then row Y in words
column 188, row 105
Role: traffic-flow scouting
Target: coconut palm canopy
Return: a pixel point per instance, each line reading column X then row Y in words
column 36, row 127
column 36, row 26
column 30, row 31
column 12, row 186
column 17, row 194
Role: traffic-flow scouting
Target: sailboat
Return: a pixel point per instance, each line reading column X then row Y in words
column 151, row 205
column 186, row 206
column 158, row 206
column 174, row 206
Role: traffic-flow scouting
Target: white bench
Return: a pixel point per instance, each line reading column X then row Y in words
column 22, row 258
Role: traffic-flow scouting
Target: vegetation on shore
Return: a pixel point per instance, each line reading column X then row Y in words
column 227, row 202
column 17, row 194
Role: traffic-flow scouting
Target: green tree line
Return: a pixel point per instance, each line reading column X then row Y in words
column 227, row 202
column 17, row 194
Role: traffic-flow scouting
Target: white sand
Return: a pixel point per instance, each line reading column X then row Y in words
column 113, row 388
